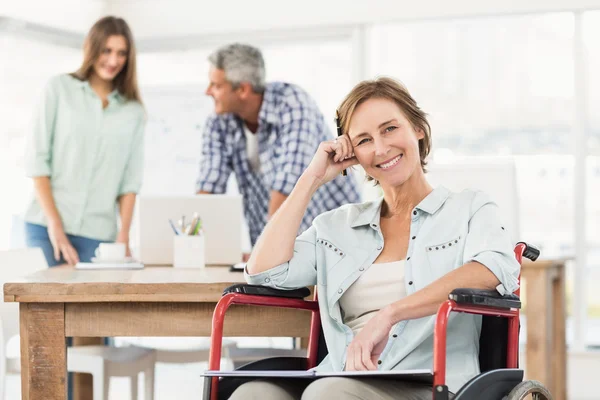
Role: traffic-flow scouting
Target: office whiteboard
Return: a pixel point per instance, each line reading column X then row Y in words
column 176, row 115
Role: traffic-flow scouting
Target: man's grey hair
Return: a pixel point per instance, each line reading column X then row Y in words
column 241, row 63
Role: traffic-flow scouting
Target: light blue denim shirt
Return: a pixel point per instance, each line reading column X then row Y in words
column 447, row 230
column 92, row 155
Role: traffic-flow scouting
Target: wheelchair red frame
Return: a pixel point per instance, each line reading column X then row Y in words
column 440, row 329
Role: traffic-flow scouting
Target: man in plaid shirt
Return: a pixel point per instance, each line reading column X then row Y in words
column 267, row 134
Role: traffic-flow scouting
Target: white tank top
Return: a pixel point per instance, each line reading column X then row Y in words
column 252, row 149
column 379, row 286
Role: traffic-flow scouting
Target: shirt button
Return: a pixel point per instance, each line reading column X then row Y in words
column 374, row 225
column 410, row 282
column 415, row 212
column 267, row 280
column 414, row 237
column 394, row 335
column 379, row 247
column 340, row 290
column 407, row 258
column 361, row 269
column 379, row 362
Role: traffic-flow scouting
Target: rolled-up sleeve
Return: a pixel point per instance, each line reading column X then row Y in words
column 134, row 170
column 489, row 243
column 298, row 142
column 38, row 152
column 216, row 162
column 300, row 271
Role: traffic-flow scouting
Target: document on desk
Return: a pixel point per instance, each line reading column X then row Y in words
column 99, row 265
column 413, row 375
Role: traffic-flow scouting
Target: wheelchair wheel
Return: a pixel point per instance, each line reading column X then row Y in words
column 529, row 390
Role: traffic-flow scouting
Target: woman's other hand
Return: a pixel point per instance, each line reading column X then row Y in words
column 61, row 244
column 331, row 158
column 366, row 347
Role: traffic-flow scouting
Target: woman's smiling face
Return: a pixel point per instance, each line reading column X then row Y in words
column 385, row 142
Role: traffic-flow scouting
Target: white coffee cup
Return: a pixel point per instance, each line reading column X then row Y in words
column 110, row 251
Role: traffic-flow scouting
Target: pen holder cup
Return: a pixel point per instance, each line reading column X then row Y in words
column 188, row 251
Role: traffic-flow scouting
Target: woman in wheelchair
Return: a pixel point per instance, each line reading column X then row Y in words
column 383, row 268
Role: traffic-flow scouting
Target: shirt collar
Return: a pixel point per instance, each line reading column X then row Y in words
column 267, row 113
column 434, row 200
column 370, row 212
column 114, row 95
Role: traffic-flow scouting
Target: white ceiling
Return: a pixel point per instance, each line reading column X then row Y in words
column 172, row 22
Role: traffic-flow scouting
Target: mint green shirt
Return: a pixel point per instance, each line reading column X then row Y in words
column 92, row 155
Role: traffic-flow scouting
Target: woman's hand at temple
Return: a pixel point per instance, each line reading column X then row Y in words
column 366, row 347
column 331, row 158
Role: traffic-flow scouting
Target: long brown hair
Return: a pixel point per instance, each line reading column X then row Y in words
column 126, row 81
column 390, row 89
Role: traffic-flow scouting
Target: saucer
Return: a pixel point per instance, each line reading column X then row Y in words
column 112, row 261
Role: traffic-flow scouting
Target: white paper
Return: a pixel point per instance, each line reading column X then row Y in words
column 97, row 265
column 423, row 374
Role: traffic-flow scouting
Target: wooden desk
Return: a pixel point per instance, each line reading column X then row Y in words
column 156, row 301
column 544, row 297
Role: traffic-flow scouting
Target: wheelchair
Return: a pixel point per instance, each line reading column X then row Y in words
column 500, row 377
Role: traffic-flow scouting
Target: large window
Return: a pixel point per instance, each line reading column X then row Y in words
column 496, row 86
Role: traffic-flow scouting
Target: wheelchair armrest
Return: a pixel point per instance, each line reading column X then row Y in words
column 489, row 298
column 258, row 290
column 531, row 252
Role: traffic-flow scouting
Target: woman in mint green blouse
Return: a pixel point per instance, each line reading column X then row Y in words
column 85, row 152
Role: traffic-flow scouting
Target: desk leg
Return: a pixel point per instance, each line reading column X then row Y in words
column 83, row 385
column 43, row 351
column 559, row 345
column 538, row 326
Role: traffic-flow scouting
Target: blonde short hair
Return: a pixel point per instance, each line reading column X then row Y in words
column 390, row 89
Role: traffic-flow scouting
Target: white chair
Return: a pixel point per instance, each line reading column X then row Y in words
column 104, row 362
column 496, row 176
column 181, row 350
column 100, row 361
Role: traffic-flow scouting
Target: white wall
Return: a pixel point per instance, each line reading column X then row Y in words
column 152, row 18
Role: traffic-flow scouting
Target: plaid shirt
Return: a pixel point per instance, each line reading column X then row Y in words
column 290, row 128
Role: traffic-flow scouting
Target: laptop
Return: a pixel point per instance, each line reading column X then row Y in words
column 222, row 220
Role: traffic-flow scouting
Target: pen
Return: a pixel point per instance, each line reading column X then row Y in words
column 198, row 227
column 174, row 227
column 339, row 132
column 190, row 229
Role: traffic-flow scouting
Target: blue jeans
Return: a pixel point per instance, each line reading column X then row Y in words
column 37, row 236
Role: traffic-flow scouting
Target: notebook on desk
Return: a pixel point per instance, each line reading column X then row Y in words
column 100, row 265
